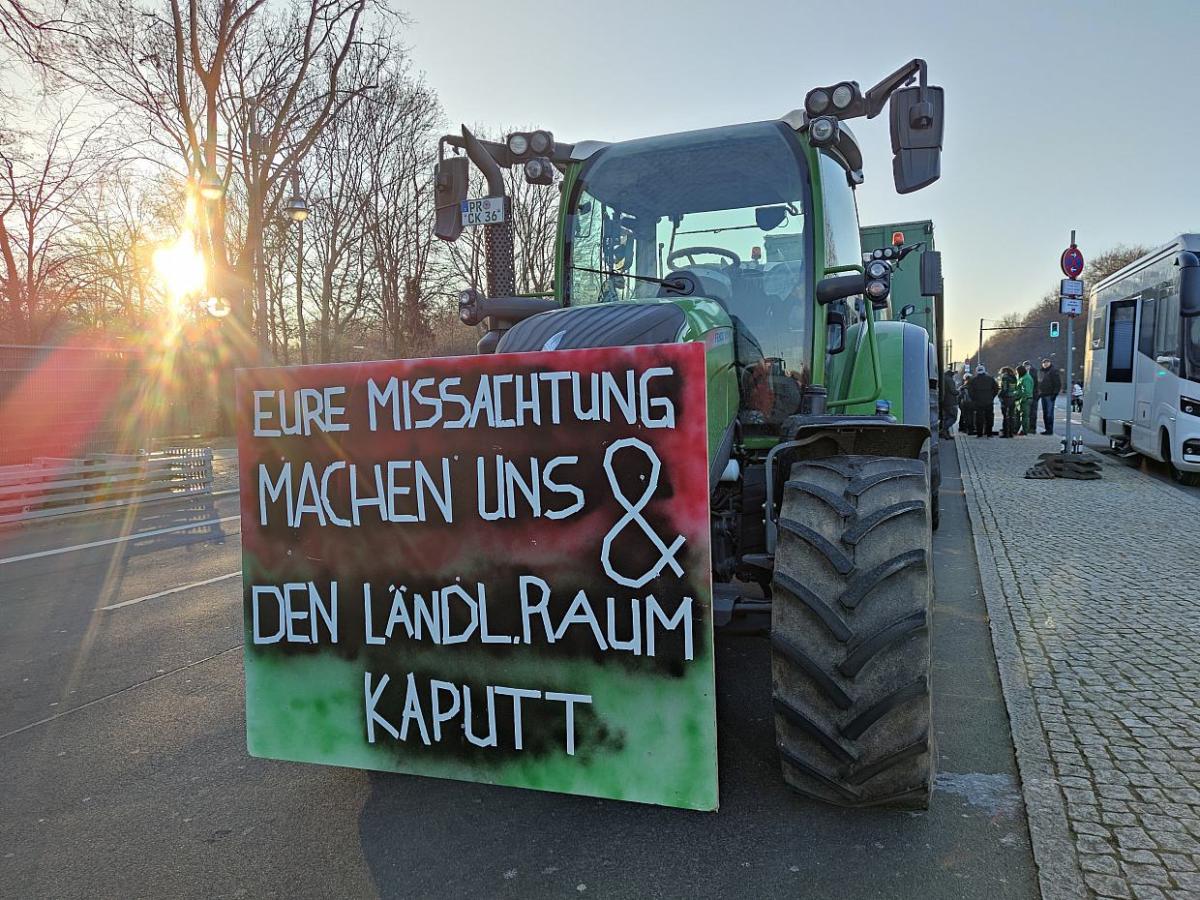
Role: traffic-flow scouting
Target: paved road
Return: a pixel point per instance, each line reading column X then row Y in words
column 125, row 772
column 1092, row 586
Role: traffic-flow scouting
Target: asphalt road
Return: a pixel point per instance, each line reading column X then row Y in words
column 123, row 770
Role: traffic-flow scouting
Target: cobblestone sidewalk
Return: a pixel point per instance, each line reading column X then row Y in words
column 1091, row 587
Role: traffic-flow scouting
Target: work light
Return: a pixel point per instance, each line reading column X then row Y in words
column 539, row 170
column 843, row 95
column 540, row 142
column 518, row 143
column 877, row 269
column 823, row 131
column 817, row 101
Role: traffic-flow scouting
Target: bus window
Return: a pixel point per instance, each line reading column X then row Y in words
column 1099, row 306
column 1146, row 328
column 1121, row 315
column 1167, row 342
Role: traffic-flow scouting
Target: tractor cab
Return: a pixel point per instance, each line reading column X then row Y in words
column 654, row 220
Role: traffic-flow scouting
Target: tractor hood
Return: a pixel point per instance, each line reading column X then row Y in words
column 619, row 324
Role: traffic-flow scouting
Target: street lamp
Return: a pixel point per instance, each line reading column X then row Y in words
column 210, row 185
column 297, row 210
column 297, row 205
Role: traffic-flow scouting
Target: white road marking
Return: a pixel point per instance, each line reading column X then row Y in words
column 117, row 540
column 174, row 590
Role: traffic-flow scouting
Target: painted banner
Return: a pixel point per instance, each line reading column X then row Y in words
column 491, row 568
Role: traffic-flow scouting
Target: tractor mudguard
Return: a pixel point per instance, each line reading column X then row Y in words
column 820, row 437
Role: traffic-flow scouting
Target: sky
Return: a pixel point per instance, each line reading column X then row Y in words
column 1059, row 115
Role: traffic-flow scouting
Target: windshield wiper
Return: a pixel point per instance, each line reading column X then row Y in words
column 672, row 283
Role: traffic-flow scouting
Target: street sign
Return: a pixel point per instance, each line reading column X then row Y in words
column 1069, row 287
column 1072, row 262
column 1070, row 306
column 483, row 211
column 490, row 568
column 1053, row 329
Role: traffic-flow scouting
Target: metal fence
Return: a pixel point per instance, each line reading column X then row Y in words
column 45, row 487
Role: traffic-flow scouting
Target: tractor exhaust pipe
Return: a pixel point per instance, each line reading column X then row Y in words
column 497, row 238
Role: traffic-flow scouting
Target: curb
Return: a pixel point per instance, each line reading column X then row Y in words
column 1059, row 875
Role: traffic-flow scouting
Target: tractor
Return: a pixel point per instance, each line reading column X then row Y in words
column 746, row 238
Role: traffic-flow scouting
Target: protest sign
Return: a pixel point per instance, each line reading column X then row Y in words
column 493, row 568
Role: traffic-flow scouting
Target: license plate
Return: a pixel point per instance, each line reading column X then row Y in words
column 484, row 211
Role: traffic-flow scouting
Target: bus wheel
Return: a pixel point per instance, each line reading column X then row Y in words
column 1190, row 479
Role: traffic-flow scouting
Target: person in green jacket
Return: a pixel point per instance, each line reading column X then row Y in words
column 1024, row 397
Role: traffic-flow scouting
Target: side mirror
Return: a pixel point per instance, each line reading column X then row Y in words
column 838, row 287
column 931, row 273
column 770, row 217
column 907, row 311
column 1189, row 284
column 917, row 118
column 835, row 332
column 449, row 192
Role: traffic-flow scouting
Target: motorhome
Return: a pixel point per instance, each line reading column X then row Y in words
column 1142, row 365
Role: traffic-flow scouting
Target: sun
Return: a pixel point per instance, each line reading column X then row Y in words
column 181, row 270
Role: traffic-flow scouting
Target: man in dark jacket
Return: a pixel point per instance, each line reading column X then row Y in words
column 949, row 405
column 983, row 396
column 1049, row 385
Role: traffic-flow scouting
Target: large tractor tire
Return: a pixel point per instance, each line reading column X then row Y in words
column 852, row 602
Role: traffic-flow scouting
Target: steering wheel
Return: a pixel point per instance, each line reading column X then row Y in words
column 690, row 253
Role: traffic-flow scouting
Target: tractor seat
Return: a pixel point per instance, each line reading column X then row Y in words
column 617, row 324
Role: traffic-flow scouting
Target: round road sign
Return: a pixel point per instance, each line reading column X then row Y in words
column 1072, row 262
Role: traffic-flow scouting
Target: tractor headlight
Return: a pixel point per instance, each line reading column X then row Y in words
column 877, row 269
column 877, row 292
column 540, row 142
column 539, row 170
column 468, row 306
column 823, row 130
column 843, row 95
column 817, row 101
column 518, row 143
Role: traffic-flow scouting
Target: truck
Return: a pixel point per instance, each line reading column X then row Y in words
column 818, row 418
column 909, row 305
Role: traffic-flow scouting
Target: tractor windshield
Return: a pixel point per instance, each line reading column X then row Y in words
column 730, row 201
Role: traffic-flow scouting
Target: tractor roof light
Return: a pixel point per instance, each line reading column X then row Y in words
column 541, row 142
column 823, row 131
column 517, row 143
column 817, row 102
column 843, row 95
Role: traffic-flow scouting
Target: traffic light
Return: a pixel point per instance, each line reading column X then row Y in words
column 1053, row 329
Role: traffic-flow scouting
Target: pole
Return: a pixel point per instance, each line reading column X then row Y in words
column 979, row 358
column 300, row 294
column 1070, row 366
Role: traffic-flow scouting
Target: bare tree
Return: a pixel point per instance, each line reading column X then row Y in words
column 38, row 211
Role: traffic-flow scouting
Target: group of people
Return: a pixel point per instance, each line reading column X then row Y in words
column 1021, row 389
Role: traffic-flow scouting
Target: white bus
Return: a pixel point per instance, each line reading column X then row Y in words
column 1142, row 368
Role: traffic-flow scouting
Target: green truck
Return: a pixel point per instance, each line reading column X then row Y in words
column 746, row 238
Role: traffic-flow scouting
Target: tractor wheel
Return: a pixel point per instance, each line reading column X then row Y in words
column 852, row 601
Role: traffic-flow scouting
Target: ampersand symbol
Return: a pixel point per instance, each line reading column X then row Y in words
column 633, row 514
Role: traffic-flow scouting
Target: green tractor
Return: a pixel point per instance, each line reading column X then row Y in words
column 746, row 238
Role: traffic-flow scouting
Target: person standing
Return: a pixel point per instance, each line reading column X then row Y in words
column 1048, row 388
column 1077, row 397
column 966, row 422
column 983, row 397
column 948, row 406
column 1031, row 409
column 1008, row 401
column 1024, row 398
